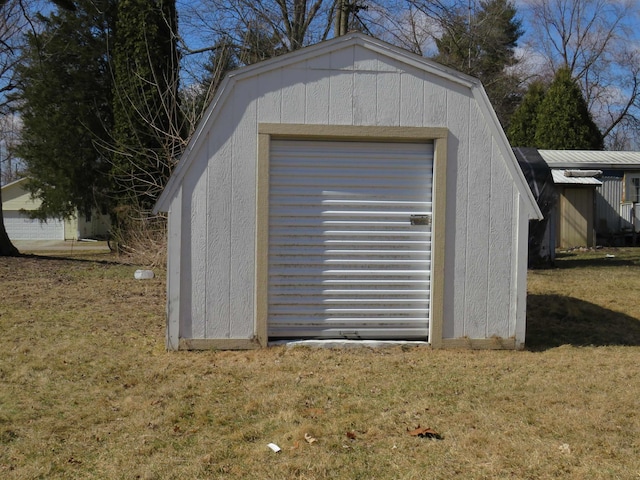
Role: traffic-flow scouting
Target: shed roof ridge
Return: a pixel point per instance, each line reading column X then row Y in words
column 349, row 40
column 242, row 73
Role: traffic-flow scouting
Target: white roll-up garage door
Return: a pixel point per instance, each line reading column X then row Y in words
column 349, row 239
column 20, row 227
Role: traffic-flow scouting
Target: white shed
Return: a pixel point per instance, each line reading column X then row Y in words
column 348, row 190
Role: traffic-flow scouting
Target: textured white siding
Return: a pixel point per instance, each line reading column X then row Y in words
column 344, row 258
column 630, row 216
column 608, row 200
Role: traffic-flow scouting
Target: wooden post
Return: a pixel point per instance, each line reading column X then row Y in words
column 634, row 235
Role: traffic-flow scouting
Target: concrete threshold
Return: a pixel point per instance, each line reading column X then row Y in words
column 340, row 343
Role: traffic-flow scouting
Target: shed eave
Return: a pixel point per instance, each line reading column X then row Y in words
column 164, row 200
column 350, row 39
column 419, row 62
column 354, row 38
column 532, row 209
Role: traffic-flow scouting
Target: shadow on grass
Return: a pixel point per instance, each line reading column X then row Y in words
column 600, row 259
column 79, row 258
column 554, row 320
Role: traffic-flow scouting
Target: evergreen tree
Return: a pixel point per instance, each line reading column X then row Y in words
column 147, row 131
column 522, row 127
column 65, row 106
column 483, row 46
column 564, row 121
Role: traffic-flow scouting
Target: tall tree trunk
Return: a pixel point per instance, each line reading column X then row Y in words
column 7, row 249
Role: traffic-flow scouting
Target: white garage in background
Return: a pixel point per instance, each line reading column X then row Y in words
column 20, row 227
column 17, row 202
column 347, row 190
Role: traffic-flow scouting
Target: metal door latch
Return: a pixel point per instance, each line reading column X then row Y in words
column 420, row 219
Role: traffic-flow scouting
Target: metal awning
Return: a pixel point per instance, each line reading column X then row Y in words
column 576, row 177
column 591, row 159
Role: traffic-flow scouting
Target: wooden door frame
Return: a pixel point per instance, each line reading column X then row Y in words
column 437, row 135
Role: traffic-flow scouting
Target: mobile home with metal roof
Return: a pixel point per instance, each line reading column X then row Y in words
column 598, row 196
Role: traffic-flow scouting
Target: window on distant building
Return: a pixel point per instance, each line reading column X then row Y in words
column 633, row 188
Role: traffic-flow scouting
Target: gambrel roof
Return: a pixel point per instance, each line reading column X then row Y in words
column 289, row 60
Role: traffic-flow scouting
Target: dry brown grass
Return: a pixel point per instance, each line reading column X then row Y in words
column 87, row 390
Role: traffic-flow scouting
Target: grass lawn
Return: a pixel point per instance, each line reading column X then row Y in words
column 87, row 389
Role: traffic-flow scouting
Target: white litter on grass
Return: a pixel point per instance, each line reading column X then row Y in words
column 608, row 255
column 143, row 274
column 565, row 448
column 274, row 447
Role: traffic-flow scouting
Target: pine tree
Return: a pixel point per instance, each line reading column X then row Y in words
column 483, row 46
column 564, row 121
column 147, row 130
column 65, row 106
column 522, row 127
